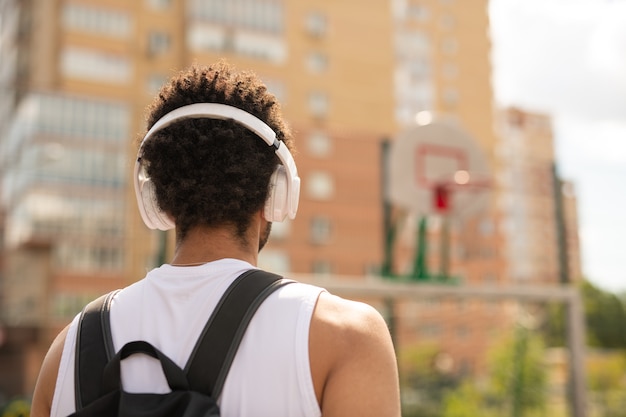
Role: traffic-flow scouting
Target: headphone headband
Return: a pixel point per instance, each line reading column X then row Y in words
column 225, row 112
column 215, row 111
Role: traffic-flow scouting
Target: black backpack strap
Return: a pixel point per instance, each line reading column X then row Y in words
column 94, row 349
column 215, row 350
column 212, row 356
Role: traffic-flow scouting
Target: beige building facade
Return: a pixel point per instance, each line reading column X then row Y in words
column 349, row 77
column 540, row 222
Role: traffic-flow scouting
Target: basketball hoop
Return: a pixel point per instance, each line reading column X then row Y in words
column 463, row 182
column 438, row 169
column 435, row 169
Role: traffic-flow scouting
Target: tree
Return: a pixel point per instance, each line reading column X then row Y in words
column 516, row 383
column 466, row 401
column 422, row 381
column 605, row 318
column 553, row 328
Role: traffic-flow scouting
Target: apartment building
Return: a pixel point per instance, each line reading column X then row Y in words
column 541, row 219
column 76, row 76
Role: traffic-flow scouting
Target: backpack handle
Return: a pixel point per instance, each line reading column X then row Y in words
column 111, row 377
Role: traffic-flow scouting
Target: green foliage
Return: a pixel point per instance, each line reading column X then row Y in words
column 605, row 317
column 516, row 384
column 16, row 408
column 466, row 401
column 423, row 384
column 606, row 372
column 554, row 327
column 518, row 374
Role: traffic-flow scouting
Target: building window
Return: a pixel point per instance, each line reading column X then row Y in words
column 89, row 257
column 450, row 71
column 88, row 153
column 94, row 65
column 411, row 44
column 255, row 15
column 205, row 38
column 417, row 12
column 413, row 77
column 320, row 185
column 316, row 24
column 450, row 96
column 319, row 144
column 449, row 46
column 154, row 83
column 447, row 22
column 418, row 69
column 318, row 103
column 320, row 230
column 72, row 117
column 96, row 20
column 159, row 4
column 158, row 43
column 317, row 62
column 78, row 166
column 322, row 267
column 267, row 47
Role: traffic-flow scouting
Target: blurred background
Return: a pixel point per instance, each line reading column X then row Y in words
column 500, row 276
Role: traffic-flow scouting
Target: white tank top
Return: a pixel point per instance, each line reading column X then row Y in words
column 270, row 375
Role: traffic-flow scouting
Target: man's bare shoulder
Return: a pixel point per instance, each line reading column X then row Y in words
column 352, row 319
column 352, row 359
column 46, row 382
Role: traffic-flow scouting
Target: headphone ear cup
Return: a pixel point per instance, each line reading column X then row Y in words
column 276, row 205
column 151, row 214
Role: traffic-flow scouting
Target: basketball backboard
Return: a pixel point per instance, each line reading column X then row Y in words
column 438, row 168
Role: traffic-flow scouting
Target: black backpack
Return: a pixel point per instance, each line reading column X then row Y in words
column 195, row 390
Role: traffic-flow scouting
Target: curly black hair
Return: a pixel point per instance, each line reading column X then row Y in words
column 210, row 172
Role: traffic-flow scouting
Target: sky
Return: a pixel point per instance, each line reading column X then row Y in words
column 567, row 58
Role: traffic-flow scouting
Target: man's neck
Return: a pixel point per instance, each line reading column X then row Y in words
column 202, row 245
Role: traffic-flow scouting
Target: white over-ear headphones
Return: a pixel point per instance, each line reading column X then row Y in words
column 284, row 187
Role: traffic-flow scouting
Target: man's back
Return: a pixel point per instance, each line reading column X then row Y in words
column 270, row 374
column 298, row 358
